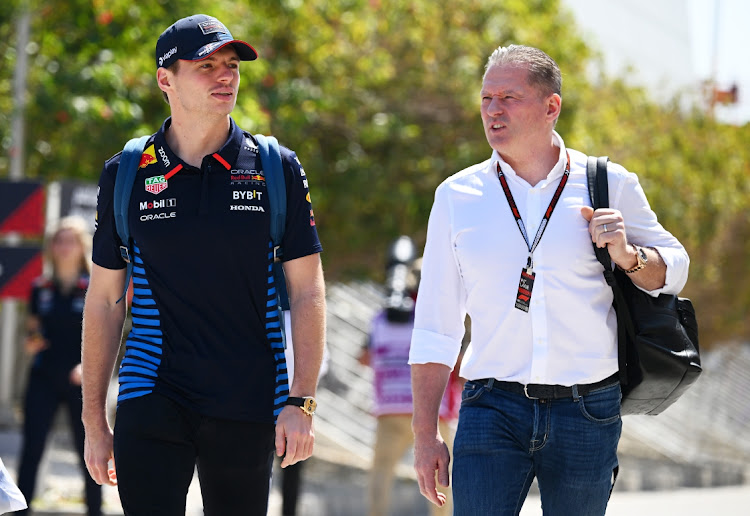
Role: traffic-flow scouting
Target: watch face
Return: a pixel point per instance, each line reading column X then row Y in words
column 642, row 254
column 310, row 405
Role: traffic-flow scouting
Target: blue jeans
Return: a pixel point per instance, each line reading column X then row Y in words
column 504, row 440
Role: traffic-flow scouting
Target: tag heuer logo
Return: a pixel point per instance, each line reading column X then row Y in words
column 156, row 184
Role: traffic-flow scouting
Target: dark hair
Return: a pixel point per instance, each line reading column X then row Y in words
column 543, row 72
column 172, row 68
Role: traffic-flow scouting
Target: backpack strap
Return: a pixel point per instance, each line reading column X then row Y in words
column 270, row 157
column 598, row 184
column 273, row 170
column 130, row 159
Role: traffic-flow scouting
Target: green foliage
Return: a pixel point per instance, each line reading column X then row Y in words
column 695, row 173
column 91, row 80
column 380, row 100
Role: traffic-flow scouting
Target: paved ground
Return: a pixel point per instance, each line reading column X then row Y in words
column 324, row 495
column 725, row 501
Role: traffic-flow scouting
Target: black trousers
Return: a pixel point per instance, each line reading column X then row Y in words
column 158, row 444
column 291, row 483
column 45, row 393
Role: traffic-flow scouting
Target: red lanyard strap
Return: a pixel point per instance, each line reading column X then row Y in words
column 547, row 214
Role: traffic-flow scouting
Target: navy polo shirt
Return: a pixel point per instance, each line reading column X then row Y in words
column 60, row 315
column 201, row 275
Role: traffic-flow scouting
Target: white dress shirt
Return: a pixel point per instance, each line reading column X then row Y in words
column 473, row 260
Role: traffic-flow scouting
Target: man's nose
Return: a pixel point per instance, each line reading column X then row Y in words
column 227, row 74
column 495, row 106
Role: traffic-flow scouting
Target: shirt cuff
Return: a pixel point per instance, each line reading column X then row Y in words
column 430, row 347
column 677, row 263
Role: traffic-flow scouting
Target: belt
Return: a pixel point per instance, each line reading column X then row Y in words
column 538, row 391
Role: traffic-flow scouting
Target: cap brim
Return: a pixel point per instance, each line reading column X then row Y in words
column 244, row 51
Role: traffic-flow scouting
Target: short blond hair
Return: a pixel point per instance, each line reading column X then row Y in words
column 543, row 72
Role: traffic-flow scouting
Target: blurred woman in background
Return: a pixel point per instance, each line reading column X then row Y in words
column 53, row 340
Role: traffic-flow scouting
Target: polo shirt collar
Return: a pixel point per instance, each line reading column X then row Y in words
column 229, row 152
column 226, row 156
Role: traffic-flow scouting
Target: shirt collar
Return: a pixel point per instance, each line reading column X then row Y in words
column 556, row 172
column 226, row 155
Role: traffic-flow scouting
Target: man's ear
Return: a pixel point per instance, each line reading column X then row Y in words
column 164, row 79
column 554, row 104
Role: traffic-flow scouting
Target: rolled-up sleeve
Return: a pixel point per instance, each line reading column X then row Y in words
column 643, row 228
column 441, row 310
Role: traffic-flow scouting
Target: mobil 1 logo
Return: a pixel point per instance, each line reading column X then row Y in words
column 155, row 205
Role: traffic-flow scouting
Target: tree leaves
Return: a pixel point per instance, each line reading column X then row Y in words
column 379, row 98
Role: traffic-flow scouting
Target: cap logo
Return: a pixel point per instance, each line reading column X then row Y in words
column 212, row 26
column 208, row 48
column 167, row 55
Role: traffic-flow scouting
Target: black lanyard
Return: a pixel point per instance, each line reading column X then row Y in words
column 547, row 214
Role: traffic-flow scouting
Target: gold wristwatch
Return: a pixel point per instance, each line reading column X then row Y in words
column 642, row 258
column 306, row 404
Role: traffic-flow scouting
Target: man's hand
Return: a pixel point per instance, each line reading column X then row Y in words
column 607, row 229
column 35, row 343
column 75, row 376
column 294, row 436
column 98, row 453
column 431, row 454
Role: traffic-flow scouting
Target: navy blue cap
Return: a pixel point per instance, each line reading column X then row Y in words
column 197, row 37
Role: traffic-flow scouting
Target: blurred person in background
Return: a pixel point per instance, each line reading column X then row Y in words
column 53, row 340
column 387, row 352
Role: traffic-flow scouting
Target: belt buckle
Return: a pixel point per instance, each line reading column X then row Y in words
column 526, row 393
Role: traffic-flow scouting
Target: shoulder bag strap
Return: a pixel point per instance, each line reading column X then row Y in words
column 596, row 174
column 598, row 183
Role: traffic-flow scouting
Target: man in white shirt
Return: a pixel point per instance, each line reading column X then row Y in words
column 509, row 243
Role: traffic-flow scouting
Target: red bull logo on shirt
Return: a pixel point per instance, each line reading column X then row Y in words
column 240, row 177
column 148, row 157
column 156, row 184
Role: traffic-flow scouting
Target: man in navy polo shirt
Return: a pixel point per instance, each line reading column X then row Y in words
column 200, row 382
